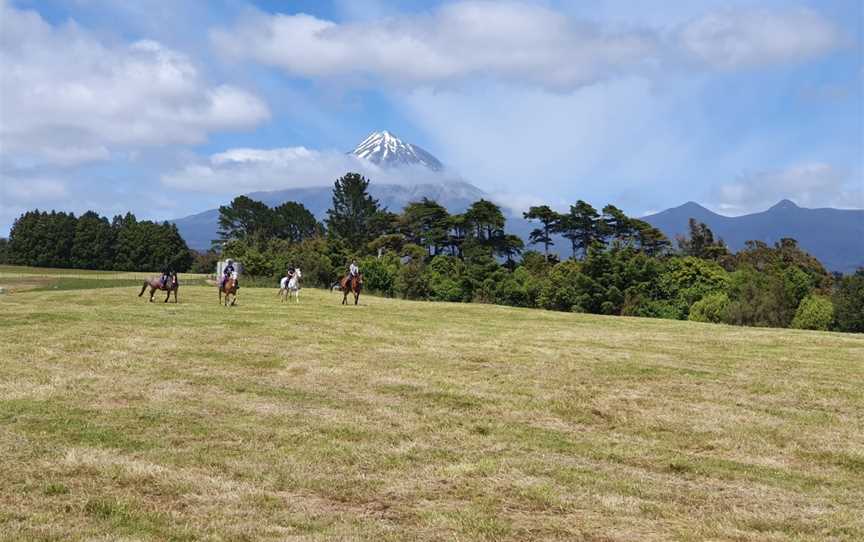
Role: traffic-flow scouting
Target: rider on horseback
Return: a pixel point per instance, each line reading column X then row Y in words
column 228, row 272
column 167, row 273
column 353, row 270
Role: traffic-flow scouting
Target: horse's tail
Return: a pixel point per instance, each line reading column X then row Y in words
column 144, row 287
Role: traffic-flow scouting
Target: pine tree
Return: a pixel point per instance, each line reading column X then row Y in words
column 352, row 211
column 582, row 227
column 550, row 222
column 293, row 222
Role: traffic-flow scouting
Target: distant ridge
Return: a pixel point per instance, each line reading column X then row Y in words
column 834, row 236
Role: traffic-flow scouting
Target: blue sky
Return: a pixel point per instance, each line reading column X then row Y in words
column 171, row 108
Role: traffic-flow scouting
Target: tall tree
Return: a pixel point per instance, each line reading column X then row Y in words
column 293, row 222
column 485, row 221
column 550, row 222
column 457, row 231
column 582, row 227
column 701, row 242
column 353, row 210
column 426, row 223
column 508, row 247
column 617, row 226
column 245, row 219
column 93, row 245
column 651, row 241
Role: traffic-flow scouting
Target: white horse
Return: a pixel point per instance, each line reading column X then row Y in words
column 289, row 287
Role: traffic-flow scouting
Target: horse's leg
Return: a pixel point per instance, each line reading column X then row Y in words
column 167, row 297
column 175, row 295
column 345, row 297
column 143, row 287
column 152, row 293
column 356, row 297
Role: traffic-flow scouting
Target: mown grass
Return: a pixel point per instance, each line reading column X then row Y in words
column 395, row 420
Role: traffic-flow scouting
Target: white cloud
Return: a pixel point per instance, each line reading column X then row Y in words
column 33, row 191
column 66, row 97
column 518, row 42
column 244, row 170
column 752, row 38
column 814, row 184
column 500, row 40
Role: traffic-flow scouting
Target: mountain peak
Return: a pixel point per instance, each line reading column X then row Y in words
column 385, row 149
column 784, row 204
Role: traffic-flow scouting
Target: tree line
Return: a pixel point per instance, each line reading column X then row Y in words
column 619, row 265
column 58, row 239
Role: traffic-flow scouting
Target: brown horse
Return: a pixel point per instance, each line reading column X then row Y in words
column 351, row 284
column 155, row 283
column 229, row 288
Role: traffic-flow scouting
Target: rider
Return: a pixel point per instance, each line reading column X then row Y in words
column 167, row 273
column 228, row 271
column 353, row 270
column 289, row 274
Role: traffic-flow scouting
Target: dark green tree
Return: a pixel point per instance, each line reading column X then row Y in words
column 549, row 223
column 509, row 247
column 484, row 221
column 617, row 226
column 649, row 239
column 293, row 222
column 426, row 223
column 353, row 210
column 93, row 245
column 582, row 227
column 848, row 301
column 245, row 219
column 701, row 243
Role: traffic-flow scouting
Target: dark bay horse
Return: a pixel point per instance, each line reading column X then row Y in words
column 351, row 284
column 229, row 288
column 155, row 283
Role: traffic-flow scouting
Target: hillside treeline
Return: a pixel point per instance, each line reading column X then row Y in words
column 618, row 265
column 58, row 239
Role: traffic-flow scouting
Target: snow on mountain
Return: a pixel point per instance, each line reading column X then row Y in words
column 387, row 150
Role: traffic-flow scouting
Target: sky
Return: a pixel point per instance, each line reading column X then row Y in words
column 166, row 109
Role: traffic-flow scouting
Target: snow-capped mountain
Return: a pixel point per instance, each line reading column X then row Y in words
column 387, row 150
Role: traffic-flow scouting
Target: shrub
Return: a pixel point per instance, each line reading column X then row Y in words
column 814, row 312
column 379, row 274
column 711, row 308
column 559, row 291
column 687, row 280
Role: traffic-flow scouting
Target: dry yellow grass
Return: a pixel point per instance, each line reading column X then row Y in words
column 396, row 420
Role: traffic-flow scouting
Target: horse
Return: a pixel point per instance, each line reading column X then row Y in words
column 155, row 283
column 351, row 284
column 288, row 287
column 229, row 287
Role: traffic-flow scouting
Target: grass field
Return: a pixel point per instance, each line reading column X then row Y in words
column 19, row 279
column 395, row 420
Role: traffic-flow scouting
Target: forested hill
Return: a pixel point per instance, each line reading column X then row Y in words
column 834, row 236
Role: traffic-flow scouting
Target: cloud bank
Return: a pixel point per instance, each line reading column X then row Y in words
column 519, row 42
column 67, row 98
column 813, row 184
column 243, row 170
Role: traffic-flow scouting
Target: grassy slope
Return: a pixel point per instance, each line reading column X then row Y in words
column 401, row 420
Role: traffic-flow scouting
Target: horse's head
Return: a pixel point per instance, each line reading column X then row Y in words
column 298, row 274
